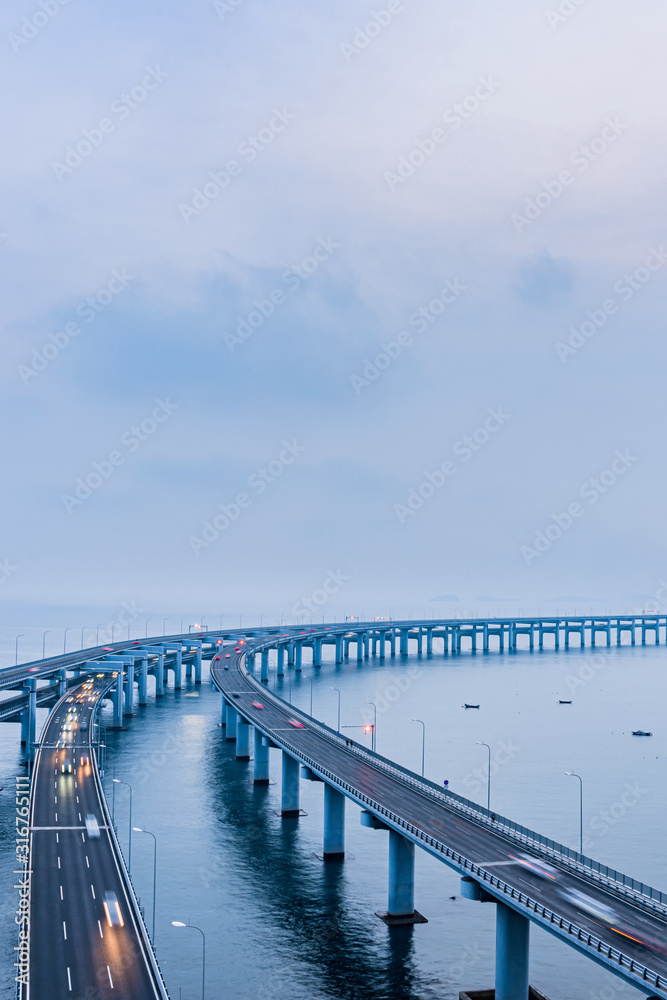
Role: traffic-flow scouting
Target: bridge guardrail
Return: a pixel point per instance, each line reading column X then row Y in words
column 652, row 900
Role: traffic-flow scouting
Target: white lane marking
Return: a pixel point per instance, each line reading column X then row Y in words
column 92, row 890
column 100, row 927
column 79, row 817
column 56, row 815
column 110, row 979
column 77, row 799
column 64, row 930
column 87, row 861
column 82, row 836
column 61, row 892
column 69, row 980
column 55, row 799
column 76, row 786
column 57, row 838
column 58, row 861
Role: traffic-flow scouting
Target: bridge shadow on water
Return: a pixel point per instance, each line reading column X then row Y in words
column 350, row 952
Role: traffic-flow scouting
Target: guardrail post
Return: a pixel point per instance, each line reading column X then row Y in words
column 242, row 738
column 512, row 954
column 290, row 786
column 261, row 776
column 334, row 824
column 230, row 726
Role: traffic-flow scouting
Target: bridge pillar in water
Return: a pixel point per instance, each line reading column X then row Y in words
column 178, row 669
column 128, row 684
column 317, row 652
column 360, row 646
column 298, row 655
column 261, row 776
column 512, row 954
column 223, row 713
column 429, row 641
column 62, row 682
column 367, row 642
column 159, row 676
column 404, row 641
column 143, row 681
column 339, row 649
column 118, row 699
column 280, row 669
column 198, row 664
column 289, row 805
column 242, row 738
column 334, row 824
column 264, row 669
column 29, row 717
column 230, row 722
column 290, row 653
column 401, row 895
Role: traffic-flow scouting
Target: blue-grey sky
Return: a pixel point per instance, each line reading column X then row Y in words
column 378, row 286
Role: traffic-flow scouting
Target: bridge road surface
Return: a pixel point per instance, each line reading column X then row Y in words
column 72, row 947
column 474, row 841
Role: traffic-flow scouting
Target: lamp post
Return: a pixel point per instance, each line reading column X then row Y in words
column 16, row 657
column 83, row 628
column 338, row 693
column 97, row 637
column 148, row 620
column 375, row 721
column 44, row 642
column 423, row 741
column 113, row 629
column 178, row 923
column 488, row 777
column 138, row 829
column 117, row 781
column 581, row 809
column 68, row 629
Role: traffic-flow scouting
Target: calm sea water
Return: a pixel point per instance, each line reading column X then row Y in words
column 280, row 923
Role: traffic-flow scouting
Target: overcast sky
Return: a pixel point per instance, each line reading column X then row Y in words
column 370, row 294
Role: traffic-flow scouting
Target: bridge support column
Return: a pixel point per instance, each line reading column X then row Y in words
column 367, row 642
column 129, row 689
column 118, row 699
column 280, row 669
column 159, row 676
column 62, row 682
column 223, row 713
column 404, row 642
column 261, row 776
column 317, row 652
column 401, row 901
column 360, row 646
column 290, row 786
column 178, row 670
column 230, row 723
column 143, row 682
column 512, row 954
column 290, row 653
column 242, row 738
column 29, row 717
column 429, row 641
column 339, row 649
column 188, row 670
column 264, row 670
column 298, row 655
column 198, row 664
column 334, row 824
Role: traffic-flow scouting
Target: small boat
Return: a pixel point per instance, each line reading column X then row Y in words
column 561, row 702
column 470, row 706
column 640, row 732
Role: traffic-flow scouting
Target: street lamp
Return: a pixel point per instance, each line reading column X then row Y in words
column 375, row 722
column 488, row 777
column 44, row 642
column 148, row 620
column 113, row 629
column 178, row 923
column 338, row 693
column 68, row 629
column 138, row 829
column 83, row 628
column 117, row 781
column 97, row 638
column 581, row 809
column 423, row 741
column 21, row 635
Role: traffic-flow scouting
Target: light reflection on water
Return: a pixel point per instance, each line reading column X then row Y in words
column 279, row 922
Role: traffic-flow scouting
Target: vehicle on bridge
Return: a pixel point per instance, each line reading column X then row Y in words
column 112, row 910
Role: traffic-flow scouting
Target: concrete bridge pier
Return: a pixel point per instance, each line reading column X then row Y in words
column 143, row 681
column 512, row 954
column 118, row 699
column 223, row 713
column 334, row 824
column 317, row 652
column 429, row 642
column 159, row 676
column 242, row 738
column 367, row 643
column 62, row 682
column 178, row 670
column 230, row 723
column 198, row 664
column 280, row 669
column 290, row 653
column 298, row 655
column 261, row 775
column 129, row 689
column 264, row 668
column 404, row 641
column 289, row 805
column 360, row 646
column 339, row 649
column 401, row 894
column 29, row 717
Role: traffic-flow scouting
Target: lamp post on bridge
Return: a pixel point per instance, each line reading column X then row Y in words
column 338, row 693
column 178, row 923
column 68, row 629
column 488, row 777
column 375, row 722
column 16, row 656
column 83, row 628
column 423, row 725
column 44, row 643
column 581, row 809
column 138, row 829
column 97, row 637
